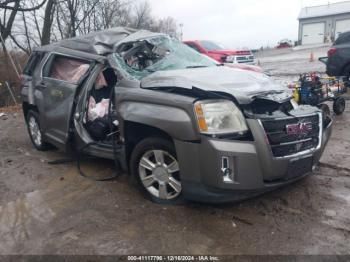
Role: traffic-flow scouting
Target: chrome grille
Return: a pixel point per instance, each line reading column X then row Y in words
column 283, row 144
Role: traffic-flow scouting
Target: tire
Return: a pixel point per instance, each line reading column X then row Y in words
column 154, row 166
column 339, row 106
column 34, row 130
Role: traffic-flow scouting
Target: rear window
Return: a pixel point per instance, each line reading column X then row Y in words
column 33, row 62
column 65, row 68
column 343, row 39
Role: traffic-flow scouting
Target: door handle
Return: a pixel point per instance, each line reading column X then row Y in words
column 42, row 85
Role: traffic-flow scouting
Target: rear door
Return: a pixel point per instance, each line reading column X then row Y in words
column 313, row 33
column 28, row 74
column 61, row 77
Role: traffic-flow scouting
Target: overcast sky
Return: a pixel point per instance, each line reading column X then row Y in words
column 236, row 23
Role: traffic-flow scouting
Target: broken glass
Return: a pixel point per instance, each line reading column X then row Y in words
column 146, row 56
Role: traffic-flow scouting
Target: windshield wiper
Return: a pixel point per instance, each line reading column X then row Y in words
column 196, row 66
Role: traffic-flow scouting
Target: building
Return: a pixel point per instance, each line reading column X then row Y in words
column 324, row 23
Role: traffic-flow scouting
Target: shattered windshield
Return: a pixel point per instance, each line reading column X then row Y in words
column 144, row 57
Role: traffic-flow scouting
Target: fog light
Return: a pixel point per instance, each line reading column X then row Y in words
column 227, row 169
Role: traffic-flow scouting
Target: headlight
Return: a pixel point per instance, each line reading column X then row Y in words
column 219, row 117
column 230, row 59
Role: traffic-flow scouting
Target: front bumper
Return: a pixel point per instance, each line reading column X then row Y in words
column 250, row 62
column 255, row 170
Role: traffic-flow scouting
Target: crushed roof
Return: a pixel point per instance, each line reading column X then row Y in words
column 325, row 10
column 101, row 42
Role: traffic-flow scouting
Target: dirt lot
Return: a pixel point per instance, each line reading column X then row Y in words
column 47, row 209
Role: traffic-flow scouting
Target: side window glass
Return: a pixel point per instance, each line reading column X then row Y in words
column 65, row 68
column 33, row 62
column 194, row 47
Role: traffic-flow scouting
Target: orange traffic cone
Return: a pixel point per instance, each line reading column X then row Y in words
column 312, row 57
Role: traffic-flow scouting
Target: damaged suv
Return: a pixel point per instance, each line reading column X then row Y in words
column 185, row 126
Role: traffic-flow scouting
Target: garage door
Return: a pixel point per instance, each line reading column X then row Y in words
column 341, row 26
column 313, row 34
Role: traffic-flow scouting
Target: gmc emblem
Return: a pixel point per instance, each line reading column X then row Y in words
column 299, row 129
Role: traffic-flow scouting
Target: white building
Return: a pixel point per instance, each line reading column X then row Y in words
column 324, row 23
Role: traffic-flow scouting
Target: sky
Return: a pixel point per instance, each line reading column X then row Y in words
column 236, row 23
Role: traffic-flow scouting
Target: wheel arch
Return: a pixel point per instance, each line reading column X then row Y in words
column 27, row 107
column 135, row 132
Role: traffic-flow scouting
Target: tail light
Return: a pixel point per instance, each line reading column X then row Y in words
column 331, row 52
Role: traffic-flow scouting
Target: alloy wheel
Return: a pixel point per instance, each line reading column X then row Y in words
column 34, row 130
column 159, row 174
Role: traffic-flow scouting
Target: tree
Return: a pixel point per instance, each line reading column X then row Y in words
column 48, row 20
column 74, row 13
column 168, row 26
column 14, row 6
column 33, row 28
column 114, row 13
column 143, row 18
column 31, row 23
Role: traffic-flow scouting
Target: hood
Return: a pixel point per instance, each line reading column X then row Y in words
column 257, row 69
column 244, row 85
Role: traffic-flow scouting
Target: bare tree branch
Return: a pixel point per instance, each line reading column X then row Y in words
column 6, row 27
column 26, row 32
column 6, row 5
column 19, row 45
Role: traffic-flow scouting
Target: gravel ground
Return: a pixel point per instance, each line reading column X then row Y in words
column 286, row 65
column 47, row 209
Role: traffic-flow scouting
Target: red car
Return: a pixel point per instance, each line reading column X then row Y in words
column 221, row 54
column 285, row 43
column 235, row 59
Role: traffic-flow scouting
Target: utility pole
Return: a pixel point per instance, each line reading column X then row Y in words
column 181, row 31
column 10, row 90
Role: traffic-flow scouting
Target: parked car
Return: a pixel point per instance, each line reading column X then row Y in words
column 338, row 62
column 285, row 43
column 220, row 53
column 184, row 126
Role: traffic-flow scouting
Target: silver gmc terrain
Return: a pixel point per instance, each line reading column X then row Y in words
column 183, row 125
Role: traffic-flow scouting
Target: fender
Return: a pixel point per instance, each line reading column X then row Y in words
column 176, row 122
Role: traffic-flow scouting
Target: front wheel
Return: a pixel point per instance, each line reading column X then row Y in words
column 156, row 169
